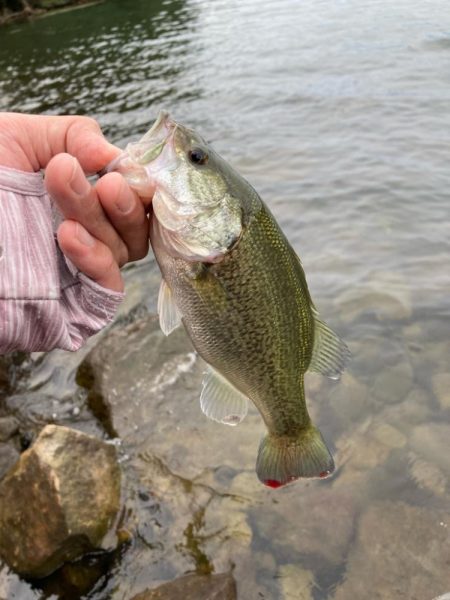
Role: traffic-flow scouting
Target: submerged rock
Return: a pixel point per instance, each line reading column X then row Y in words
column 315, row 530
column 430, row 441
column 8, row 427
column 14, row 370
column 58, row 502
column 8, row 456
column 4, row 376
column 130, row 369
column 225, row 533
column 400, row 552
column 361, row 450
column 145, row 388
column 428, row 476
column 393, row 383
column 441, row 389
column 349, row 401
column 414, row 409
column 385, row 296
column 389, row 436
column 296, row 583
column 194, row 587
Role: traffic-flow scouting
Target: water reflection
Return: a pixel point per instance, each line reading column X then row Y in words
column 78, row 62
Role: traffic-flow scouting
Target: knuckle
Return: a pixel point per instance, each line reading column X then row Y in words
column 140, row 248
column 88, row 123
column 111, row 264
column 123, row 256
column 138, row 254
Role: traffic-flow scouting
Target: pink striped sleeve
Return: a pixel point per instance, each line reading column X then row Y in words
column 43, row 303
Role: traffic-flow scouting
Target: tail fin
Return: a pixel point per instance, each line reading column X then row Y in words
column 282, row 460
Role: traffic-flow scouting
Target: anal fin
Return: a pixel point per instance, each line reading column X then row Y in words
column 220, row 401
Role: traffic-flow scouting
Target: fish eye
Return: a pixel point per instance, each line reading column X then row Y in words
column 198, row 156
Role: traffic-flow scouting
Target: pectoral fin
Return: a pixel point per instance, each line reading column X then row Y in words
column 169, row 315
column 220, row 401
column 330, row 353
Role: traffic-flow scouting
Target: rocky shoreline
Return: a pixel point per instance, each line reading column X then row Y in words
column 20, row 10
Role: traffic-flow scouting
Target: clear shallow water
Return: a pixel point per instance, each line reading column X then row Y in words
column 337, row 112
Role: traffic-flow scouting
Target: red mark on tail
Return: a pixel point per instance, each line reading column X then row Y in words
column 324, row 474
column 273, row 483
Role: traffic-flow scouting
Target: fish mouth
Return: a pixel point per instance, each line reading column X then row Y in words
column 160, row 128
column 151, row 145
column 155, row 151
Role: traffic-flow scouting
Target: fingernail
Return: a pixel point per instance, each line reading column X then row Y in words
column 125, row 202
column 78, row 182
column 83, row 236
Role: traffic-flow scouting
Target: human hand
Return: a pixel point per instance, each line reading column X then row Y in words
column 105, row 225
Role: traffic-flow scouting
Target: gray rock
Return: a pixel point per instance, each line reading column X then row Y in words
column 8, row 457
column 441, row 389
column 5, row 380
column 349, row 400
column 14, row 369
column 145, row 387
column 372, row 351
column 8, row 427
column 362, row 455
column 295, row 583
column 386, row 296
column 194, row 587
column 4, row 375
column 393, row 383
column 400, row 552
column 225, row 531
column 33, row 410
column 430, row 441
column 428, row 476
column 415, row 409
column 360, row 450
column 317, row 529
column 389, row 436
column 129, row 369
column 58, row 502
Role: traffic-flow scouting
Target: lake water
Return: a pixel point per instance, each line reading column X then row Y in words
column 337, row 112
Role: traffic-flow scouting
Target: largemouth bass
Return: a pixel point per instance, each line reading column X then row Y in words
column 232, row 278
